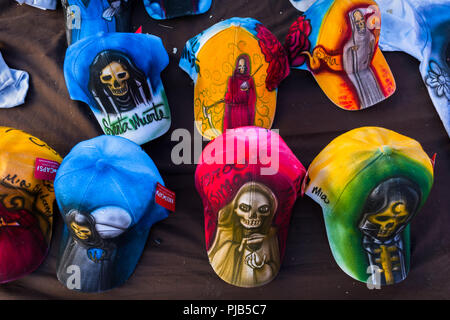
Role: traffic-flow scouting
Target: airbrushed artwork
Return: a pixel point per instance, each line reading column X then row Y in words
column 388, row 210
column 117, row 84
column 370, row 182
column 26, row 204
column 93, row 245
column 247, row 212
column 338, row 42
column 108, row 218
column 245, row 248
column 357, row 56
column 235, row 85
column 118, row 76
column 87, row 17
column 240, row 98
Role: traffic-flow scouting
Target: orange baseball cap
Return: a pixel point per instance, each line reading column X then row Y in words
column 337, row 41
column 237, row 65
column 26, row 203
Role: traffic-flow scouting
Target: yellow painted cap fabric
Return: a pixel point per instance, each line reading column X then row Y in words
column 237, row 65
column 26, row 204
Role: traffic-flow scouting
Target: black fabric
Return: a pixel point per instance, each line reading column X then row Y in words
column 175, row 264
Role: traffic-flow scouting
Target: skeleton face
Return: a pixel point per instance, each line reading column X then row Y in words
column 252, row 209
column 115, row 77
column 359, row 21
column 81, row 232
column 390, row 219
column 242, row 67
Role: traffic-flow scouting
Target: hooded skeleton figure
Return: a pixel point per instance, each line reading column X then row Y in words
column 245, row 249
column 240, row 98
column 117, row 84
column 92, row 246
column 388, row 210
column 357, row 57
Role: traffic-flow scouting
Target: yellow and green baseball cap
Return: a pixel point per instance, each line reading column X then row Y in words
column 370, row 183
column 27, row 165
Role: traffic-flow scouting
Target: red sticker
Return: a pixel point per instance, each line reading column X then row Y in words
column 165, row 197
column 45, row 169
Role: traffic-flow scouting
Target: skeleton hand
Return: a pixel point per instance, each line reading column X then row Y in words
column 354, row 48
column 255, row 238
column 254, row 261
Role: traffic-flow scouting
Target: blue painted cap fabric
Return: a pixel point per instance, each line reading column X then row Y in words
column 41, row 4
column 105, row 189
column 87, row 17
column 167, row 9
column 118, row 76
column 13, row 85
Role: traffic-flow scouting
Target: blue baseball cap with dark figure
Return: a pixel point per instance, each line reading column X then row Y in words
column 87, row 17
column 105, row 189
column 119, row 76
column 167, row 9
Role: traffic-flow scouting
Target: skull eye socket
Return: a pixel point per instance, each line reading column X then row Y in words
column 245, row 207
column 382, row 218
column 107, row 78
column 263, row 209
column 121, row 75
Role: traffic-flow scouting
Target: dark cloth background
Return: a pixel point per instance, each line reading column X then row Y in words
column 174, row 264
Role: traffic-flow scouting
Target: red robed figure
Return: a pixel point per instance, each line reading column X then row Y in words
column 240, row 98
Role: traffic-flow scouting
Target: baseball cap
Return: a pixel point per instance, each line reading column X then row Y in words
column 26, row 204
column 370, row 183
column 41, row 4
column 248, row 180
column 167, row 9
column 237, row 65
column 105, row 190
column 118, row 76
column 337, row 41
column 88, row 17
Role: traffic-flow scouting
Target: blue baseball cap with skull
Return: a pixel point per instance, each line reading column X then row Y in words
column 105, row 190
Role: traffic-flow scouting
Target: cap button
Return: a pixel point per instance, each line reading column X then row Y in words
column 100, row 164
column 386, row 150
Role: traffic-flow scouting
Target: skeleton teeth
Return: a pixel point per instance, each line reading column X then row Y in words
column 251, row 223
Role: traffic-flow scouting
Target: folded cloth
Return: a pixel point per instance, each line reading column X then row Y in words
column 13, row 85
column 421, row 29
column 41, row 4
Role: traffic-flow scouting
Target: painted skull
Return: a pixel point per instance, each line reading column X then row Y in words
column 390, row 219
column 252, row 209
column 389, row 208
column 358, row 18
column 81, row 232
column 115, row 77
column 241, row 66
